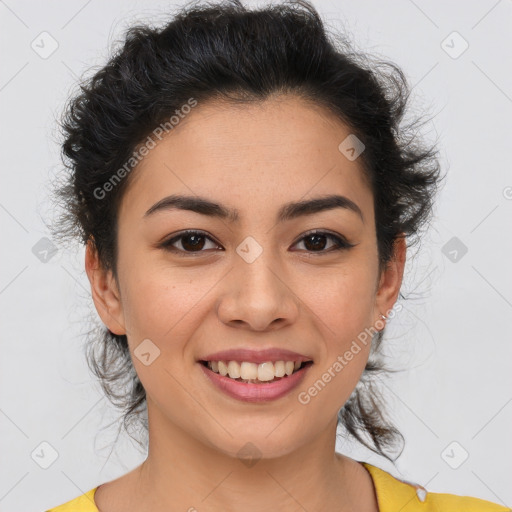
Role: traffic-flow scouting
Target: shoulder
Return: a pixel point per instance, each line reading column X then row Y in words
column 83, row 503
column 394, row 494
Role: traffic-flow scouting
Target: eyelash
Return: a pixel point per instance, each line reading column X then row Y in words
column 340, row 243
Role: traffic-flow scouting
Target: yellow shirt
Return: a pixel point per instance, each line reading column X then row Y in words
column 393, row 495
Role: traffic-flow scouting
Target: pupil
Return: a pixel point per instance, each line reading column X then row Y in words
column 194, row 245
column 315, row 244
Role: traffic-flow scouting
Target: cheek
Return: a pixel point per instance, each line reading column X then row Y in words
column 344, row 300
column 344, row 304
column 162, row 303
column 165, row 308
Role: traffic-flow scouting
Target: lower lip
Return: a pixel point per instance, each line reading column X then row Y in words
column 248, row 392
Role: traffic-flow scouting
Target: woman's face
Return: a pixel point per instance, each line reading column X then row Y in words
column 257, row 282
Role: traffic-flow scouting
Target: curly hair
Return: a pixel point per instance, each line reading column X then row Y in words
column 225, row 51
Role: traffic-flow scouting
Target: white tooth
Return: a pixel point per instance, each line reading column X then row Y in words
column 266, row 371
column 234, row 369
column 279, row 368
column 296, row 365
column 223, row 368
column 248, row 370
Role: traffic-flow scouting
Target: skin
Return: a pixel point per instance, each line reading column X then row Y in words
column 253, row 158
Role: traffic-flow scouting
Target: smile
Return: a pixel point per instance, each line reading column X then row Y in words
column 249, row 372
column 250, row 382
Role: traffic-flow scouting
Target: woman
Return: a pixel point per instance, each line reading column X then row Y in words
column 246, row 194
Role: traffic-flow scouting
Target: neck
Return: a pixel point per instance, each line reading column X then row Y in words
column 182, row 473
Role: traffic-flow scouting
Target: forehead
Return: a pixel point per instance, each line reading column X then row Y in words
column 280, row 149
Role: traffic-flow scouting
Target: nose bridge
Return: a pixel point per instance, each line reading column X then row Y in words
column 258, row 267
column 257, row 294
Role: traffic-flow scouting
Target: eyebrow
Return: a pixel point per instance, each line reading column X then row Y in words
column 288, row 211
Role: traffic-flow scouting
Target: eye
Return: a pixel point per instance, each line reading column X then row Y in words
column 192, row 241
column 315, row 241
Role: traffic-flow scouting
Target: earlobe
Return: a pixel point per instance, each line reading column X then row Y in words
column 104, row 290
column 391, row 279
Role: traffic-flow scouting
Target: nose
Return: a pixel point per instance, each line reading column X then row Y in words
column 257, row 296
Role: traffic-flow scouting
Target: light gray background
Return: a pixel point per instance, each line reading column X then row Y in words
column 454, row 330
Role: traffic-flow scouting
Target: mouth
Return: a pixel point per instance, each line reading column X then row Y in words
column 256, row 382
column 253, row 373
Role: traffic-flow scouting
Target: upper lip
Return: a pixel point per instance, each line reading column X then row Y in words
column 256, row 356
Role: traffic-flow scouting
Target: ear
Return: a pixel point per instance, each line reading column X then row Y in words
column 391, row 279
column 105, row 293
